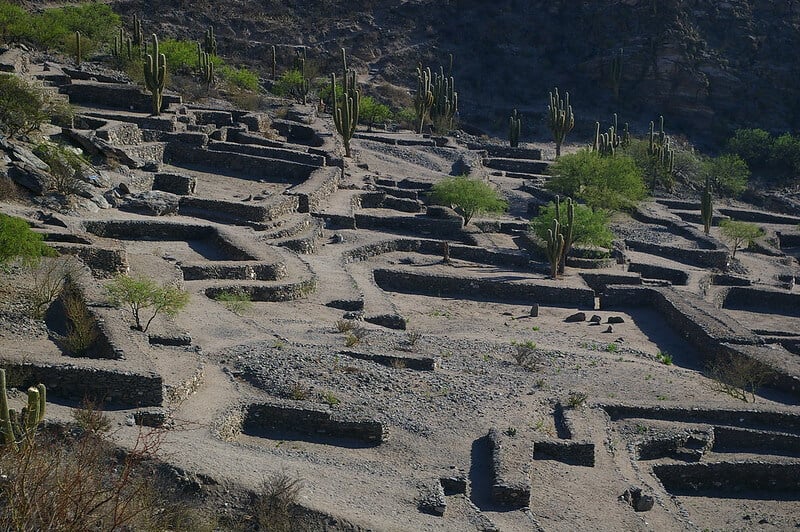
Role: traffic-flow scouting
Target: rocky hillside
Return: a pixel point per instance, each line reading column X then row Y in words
column 708, row 66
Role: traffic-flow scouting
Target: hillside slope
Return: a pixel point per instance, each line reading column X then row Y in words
column 708, row 66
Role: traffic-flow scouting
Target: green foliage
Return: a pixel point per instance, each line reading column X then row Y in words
column 576, row 399
column 330, row 399
column 591, row 226
column 137, row 294
column 468, row 196
column 664, row 357
column 14, row 22
column 181, row 55
column 406, row 118
column 785, row 155
column 727, row 173
column 738, row 375
column 81, row 328
column 241, row 78
column 22, row 106
column 237, row 301
column 19, row 242
column 601, row 182
column 739, row 233
column 372, row 112
column 291, row 83
column 65, row 167
column 752, row 145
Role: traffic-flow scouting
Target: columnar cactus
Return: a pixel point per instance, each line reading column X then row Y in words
column 155, row 72
column 616, row 73
column 305, row 85
column 344, row 61
column 19, row 429
column 445, row 101
column 205, row 67
column 78, row 47
column 345, row 113
column 561, row 119
column 555, row 248
column 706, row 207
column 138, row 34
column 210, row 42
column 660, row 150
column 274, row 63
column 514, row 128
column 567, row 230
column 423, row 100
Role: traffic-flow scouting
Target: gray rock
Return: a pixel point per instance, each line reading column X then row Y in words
column 609, row 329
column 573, row 318
column 616, row 319
column 534, row 310
column 432, row 500
column 640, row 501
column 151, row 202
column 29, row 177
column 595, row 319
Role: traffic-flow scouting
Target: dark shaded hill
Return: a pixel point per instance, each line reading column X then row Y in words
column 708, row 66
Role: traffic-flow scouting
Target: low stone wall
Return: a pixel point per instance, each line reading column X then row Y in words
column 747, row 215
column 395, row 361
column 419, row 224
column 175, row 183
column 114, row 95
column 236, row 211
column 762, row 300
column 103, row 262
column 525, row 166
column 147, row 230
column 599, row 281
column 144, row 121
column 401, row 204
column 653, row 214
column 700, row 257
column 233, row 270
column 742, row 417
column 729, row 477
column 264, row 292
column 316, row 189
column 313, row 420
column 651, row 271
column 75, row 383
column 507, row 152
column 297, row 132
column 483, row 289
column 788, row 239
column 568, row 452
column 510, row 463
column 727, row 439
column 238, row 164
column 268, row 152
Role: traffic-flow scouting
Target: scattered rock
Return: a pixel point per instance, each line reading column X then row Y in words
column 337, row 238
column 432, row 499
column 534, row 310
column 616, row 319
column 640, row 502
column 50, row 219
column 454, row 485
column 609, row 329
column 390, row 321
column 363, row 166
column 574, row 318
column 123, row 189
column 356, row 315
column 595, row 320
column 152, row 202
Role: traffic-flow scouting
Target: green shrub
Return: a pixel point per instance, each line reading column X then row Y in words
column 785, row 155
column 600, row 182
column 279, row 496
column 468, row 196
column 239, row 77
column 136, row 294
column 181, row 55
column 372, row 112
column 406, row 118
column 752, row 145
column 290, row 84
column 65, row 167
column 591, row 226
column 727, row 173
column 22, row 106
column 739, row 233
column 237, row 301
column 19, row 242
column 14, row 22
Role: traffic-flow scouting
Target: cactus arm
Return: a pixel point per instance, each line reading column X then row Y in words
column 6, row 426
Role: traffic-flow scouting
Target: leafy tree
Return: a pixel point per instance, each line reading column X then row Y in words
column 591, row 226
column 600, row 182
column 372, row 112
column 18, row 241
column 739, row 233
column 752, row 145
column 785, row 155
column 468, row 196
column 727, row 173
column 22, row 107
column 137, row 294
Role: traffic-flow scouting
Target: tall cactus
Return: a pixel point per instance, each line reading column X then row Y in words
column 561, row 119
column 210, row 41
column 706, row 207
column 205, row 67
column 16, row 429
column 274, row 63
column 138, row 34
column 616, row 73
column 78, row 51
column 567, row 229
column 423, row 99
column 445, row 101
column 660, row 151
column 555, row 248
column 155, row 72
column 304, row 86
column 344, row 61
column 514, row 128
column 345, row 113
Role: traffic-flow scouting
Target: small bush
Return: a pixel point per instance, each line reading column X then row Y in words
column 406, row 118
column 526, row 355
column 600, row 182
column 237, row 301
column 136, row 294
column 241, row 78
column 739, row 233
column 591, row 226
column 81, row 327
column 412, row 337
column 90, row 418
column 664, row 357
column 738, row 375
column 290, row 84
column 299, row 392
column 468, row 196
column 19, row 242
column 330, row 399
column 752, row 145
column 728, row 174
column 65, row 167
column 372, row 112
column 344, row 325
column 576, row 399
column 351, row 339
column 278, row 496
column 22, row 106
